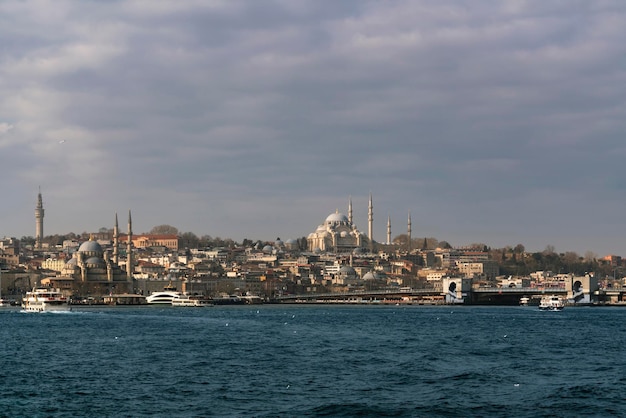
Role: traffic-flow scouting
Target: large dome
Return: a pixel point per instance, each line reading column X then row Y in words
column 90, row 247
column 337, row 217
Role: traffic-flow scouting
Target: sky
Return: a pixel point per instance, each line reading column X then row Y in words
column 495, row 122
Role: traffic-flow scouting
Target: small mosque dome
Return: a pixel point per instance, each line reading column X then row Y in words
column 94, row 262
column 291, row 241
column 370, row 276
column 268, row 249
column 347, row 271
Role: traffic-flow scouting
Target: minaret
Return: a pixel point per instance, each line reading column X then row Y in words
column 39, row 212
column 350, row 210
column 388, row 230
column 129, row 251
column 116, row 242
column 370, row 224
column 408, row 245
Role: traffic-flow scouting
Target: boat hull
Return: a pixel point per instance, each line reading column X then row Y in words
column 45, row 300
column 551, row 303
column 191, row 303
column 39, row 306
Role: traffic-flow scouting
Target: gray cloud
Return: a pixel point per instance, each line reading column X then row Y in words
column 494, row 122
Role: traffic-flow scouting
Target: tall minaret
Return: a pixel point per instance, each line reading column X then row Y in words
column 388, row 230
column 370, row 224
column 129, row 251
column 350, row 210
column 39, row 212
column 116, row 242
column 408, row 245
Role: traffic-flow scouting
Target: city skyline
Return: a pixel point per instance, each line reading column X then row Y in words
column 499, row 123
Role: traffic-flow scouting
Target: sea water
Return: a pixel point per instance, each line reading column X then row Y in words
column 310, row 361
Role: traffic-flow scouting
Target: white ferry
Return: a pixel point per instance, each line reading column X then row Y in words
column 192, row 302
column 43, row 299
column 162, row 298
column 551, row 303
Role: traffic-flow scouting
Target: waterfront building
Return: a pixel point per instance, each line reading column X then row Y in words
column 9, row 252
column 54, row 264
column 484, row 269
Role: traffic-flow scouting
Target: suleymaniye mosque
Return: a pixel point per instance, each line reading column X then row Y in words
column 339, row 234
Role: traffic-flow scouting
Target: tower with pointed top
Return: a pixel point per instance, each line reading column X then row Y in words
column 116, row 242
column 350, row 210
column 129, row 251
column 39, row 213
column 388, row 230
column 408, row 245
column 370, row 224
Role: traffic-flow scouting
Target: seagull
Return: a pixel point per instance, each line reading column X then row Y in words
column 61, row 141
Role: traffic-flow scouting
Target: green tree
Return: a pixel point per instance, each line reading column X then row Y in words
column 189, row 240
column 164, row 230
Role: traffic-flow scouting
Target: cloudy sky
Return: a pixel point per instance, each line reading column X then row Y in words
column 499, row 122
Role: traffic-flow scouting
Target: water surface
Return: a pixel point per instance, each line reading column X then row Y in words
column 289, row 360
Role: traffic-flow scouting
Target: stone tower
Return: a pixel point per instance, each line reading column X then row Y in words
column 370, row 224
column 129, row 251
column 39, row 213
column 408, row 233
column 116, row 242
column 350, row 210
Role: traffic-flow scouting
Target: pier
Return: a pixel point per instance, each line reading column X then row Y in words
column 475, row 296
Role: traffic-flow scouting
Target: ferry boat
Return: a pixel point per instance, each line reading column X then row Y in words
column 44, row 299
column 192, row 302
column 551, row 303
column 162, row 298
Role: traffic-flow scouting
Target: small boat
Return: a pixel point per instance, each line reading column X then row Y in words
column 45, row 299
column 162, row 298
column 523, row 301
column 551, row 303
column 191, row 302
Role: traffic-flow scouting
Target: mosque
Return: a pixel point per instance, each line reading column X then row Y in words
column 339, row 234
column 91, row 270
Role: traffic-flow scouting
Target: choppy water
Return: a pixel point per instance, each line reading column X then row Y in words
column 306, row 361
